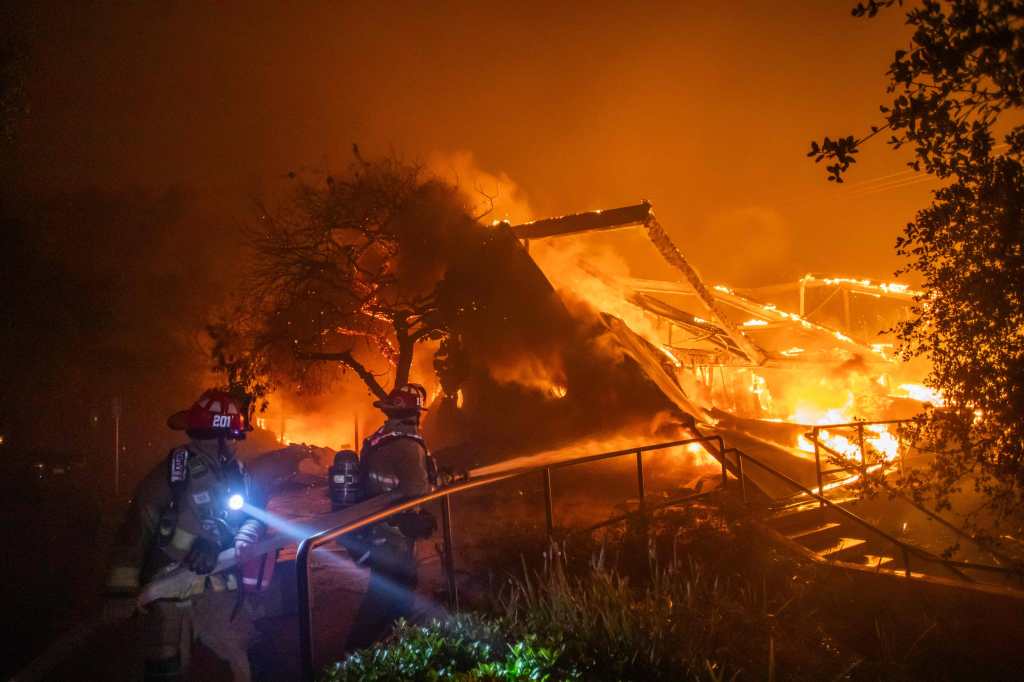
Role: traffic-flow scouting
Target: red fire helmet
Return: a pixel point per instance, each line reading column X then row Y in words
column 404, row 398
column 215, row 414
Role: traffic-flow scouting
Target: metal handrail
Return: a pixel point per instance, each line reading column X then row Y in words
column 863, row 466
column 879, row 422
column 307, row 545
column 838, row 455
column 905, row 547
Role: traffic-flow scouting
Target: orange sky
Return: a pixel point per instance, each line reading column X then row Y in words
column 703, row 108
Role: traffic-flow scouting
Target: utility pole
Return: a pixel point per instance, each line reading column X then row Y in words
column 115, row 408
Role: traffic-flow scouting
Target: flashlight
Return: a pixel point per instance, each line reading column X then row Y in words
column 235, row 502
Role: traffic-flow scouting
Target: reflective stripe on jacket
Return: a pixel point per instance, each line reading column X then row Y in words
column 199, row 498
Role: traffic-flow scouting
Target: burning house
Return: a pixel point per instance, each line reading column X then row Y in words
column 759, row 366
column 549, row 350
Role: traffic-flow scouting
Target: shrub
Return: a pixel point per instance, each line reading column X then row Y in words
column 688, row 619
column 464, row 648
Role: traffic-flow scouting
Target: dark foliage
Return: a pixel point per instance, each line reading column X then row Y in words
column 699, row 598
column 957, row 89
column 344, row 276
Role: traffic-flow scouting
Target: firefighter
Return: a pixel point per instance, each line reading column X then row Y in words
column 186, row 511
column 394, row 458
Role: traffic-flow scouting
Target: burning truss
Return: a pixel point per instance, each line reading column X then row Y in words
column 765, row 363
column 737, row 343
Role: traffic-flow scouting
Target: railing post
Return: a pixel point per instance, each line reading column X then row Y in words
column 817, row 468
column 721, row 453
column 863, row 452
column 449, row 551
column 549, row 504
column 899, row 445
column 640, row 479
column 305, row 609
column 743, row 476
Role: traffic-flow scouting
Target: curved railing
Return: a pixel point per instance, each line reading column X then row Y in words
column 306, row 547
column 905, row 548
column 863, row 468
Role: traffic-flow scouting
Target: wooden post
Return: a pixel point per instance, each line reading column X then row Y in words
column 846, row 310
column 817, row 467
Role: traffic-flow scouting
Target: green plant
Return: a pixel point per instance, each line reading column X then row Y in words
column 668, row 629
column 464, row 648
column 690, row 600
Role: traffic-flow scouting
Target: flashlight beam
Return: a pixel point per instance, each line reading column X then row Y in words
column 170, row 584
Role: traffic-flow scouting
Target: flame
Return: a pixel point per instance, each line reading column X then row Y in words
column 882, row 349
column 846, row 444
column 691, row 456
column 759, row 387
column 701, row 456
column 532, row 372
column 880, row 287
column 877, row 436
column 880, row 439
column 585, row 273
column 925, row 394
column 883, row 441
column 755, row 323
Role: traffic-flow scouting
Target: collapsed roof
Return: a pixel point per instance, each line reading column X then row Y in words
column 768, row 336
column 701, row 328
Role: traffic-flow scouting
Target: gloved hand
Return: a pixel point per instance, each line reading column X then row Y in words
column 416, row 525
column 202, row 556
column 246, row 537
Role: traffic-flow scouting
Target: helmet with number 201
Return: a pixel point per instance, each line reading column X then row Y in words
column 216, row 414
column 404, row 398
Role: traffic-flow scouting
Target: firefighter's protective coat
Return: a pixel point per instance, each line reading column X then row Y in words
column 194, row 482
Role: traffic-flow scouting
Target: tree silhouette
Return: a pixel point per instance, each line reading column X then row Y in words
column 956, row 96
column 345, row 274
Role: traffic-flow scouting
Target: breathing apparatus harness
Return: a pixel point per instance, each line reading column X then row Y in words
column 350, row 479
column 216, row 511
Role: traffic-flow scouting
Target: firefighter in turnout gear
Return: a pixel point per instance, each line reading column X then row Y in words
column 186, row 511
column 394, row 458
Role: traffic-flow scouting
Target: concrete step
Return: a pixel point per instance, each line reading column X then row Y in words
column 796, row 520
column 840, row 546
column 874, row 561
column 814, row 530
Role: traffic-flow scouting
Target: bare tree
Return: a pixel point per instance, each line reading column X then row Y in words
column 347, row 270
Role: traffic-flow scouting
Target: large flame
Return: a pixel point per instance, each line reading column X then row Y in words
column 925, row 394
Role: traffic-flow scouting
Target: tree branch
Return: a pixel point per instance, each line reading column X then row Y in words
column 349, row 360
